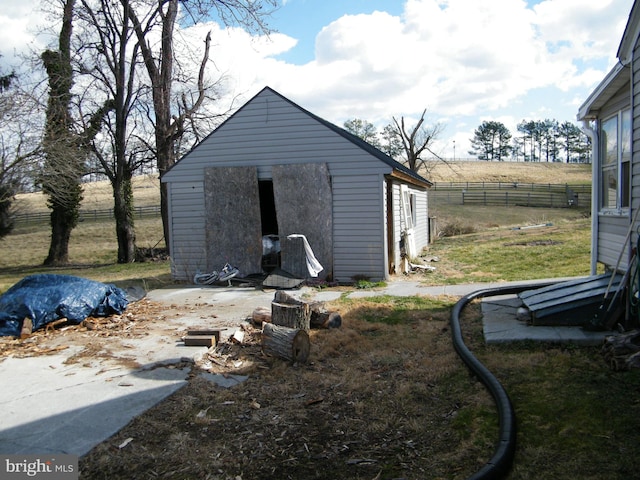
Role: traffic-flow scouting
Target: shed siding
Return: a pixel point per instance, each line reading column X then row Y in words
column 358, row 227
column 269, row 131
column 422, row 219
column 421, row 228
column 187, row 226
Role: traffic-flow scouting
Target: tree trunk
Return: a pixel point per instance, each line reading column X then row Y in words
column 60, row 237
column 287, row 343
column 123, row 213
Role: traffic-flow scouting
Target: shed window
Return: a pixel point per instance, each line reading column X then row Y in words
column 615, row 158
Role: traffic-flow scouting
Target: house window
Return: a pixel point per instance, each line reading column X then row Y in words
column 615, row 160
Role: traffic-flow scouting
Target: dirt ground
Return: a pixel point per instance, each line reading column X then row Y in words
column 376, row 400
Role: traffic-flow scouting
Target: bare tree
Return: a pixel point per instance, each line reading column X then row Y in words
column 416, row 141
column 111, row 61
column 19, row 146
column 170, row 115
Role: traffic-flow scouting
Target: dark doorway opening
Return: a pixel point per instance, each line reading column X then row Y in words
column 269, row 221
column 267, row 208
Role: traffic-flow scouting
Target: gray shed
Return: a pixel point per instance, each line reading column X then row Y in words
column 274, row 169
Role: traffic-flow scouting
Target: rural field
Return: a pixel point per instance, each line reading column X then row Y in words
column 384, row 396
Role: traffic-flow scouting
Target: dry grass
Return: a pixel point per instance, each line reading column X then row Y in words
column 97, row 196
column 522, row 172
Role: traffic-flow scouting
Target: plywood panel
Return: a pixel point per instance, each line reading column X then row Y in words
column 232, row 212
column 303, row 201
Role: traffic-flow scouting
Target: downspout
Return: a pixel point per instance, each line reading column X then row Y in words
column 592, row 133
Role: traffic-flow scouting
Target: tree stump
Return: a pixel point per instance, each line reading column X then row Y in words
column 290, row 315
column 287, row 343
column 319, row 316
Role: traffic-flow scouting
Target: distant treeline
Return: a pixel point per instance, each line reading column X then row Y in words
column 538, row 141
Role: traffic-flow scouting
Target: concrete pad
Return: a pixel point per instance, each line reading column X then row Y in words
column 53, row 407
column 500, row 325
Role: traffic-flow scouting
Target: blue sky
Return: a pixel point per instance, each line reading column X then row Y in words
column 465, row 61
column 303, row 19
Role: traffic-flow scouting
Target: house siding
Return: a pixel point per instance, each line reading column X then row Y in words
column 270, row 131
column 611, row 237
column 635, row 142
column 613, row 227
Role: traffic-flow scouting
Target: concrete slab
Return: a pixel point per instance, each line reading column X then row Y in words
column 500, row 325
column 54, row 407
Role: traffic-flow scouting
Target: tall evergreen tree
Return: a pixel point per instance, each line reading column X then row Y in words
column 363, row 129
column 491, row 141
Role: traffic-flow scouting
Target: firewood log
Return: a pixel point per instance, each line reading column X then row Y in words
column 320, row 317
column 260, row 315
column 290, row 344
column 292, row 316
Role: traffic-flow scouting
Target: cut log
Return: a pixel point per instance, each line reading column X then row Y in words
column 283, row 297
column 290, row 344
column 260, row 315
column 319, row 317
column 292, row 316
column 322, row 319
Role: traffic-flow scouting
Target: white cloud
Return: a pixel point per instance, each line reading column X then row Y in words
column 19, row 24
column 454, row 57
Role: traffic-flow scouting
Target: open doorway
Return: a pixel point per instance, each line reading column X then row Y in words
column 269, row 222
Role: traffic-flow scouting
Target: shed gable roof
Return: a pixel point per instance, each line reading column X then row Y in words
column 398, row 168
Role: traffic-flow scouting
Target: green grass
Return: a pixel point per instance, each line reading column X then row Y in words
column 504, row 254
column 392, row 310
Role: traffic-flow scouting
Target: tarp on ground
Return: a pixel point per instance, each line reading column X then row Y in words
column 45, row 298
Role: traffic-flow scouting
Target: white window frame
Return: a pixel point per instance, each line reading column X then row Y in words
column 618, row 166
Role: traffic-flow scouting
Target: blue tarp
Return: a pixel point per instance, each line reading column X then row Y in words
column 45, row 298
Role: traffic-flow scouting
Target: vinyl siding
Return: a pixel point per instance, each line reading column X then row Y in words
column 187, row 227
column 612, row 232
column 270, row 131
column 613, row 228
column 421, row 228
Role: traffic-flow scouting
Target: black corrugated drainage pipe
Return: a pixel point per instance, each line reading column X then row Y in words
column 500, row 464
